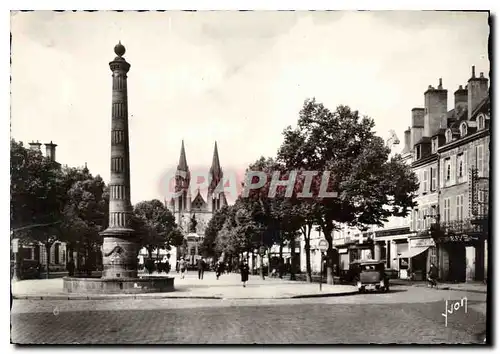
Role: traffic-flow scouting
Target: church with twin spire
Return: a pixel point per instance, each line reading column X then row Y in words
column 192, row 211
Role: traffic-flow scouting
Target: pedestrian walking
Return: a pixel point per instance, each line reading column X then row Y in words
column 182, row 267
column 244, row 270
column 432, row 276
column 201, row 268
column 218, row 269
column 70, row 267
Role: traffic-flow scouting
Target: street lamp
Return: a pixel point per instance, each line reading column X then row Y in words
column 323, row 246
column 15, row 250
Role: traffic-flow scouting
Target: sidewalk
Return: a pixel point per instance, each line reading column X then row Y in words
column 473, row 287
column 227, row 287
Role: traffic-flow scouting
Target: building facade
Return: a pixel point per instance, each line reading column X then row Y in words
column 192, row 212
column 448, row 150
column 451, row 161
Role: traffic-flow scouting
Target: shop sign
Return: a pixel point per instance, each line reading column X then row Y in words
column 422, row 242
column 342, row 250
column 458, row 238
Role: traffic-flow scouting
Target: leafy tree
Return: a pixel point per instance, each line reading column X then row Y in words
column 213, row 228
column 156, row 226
column 86, row 212
column 35, row 193
column 368, row 185
column 37, row 197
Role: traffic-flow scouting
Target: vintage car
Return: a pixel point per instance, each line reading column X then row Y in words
column 371, row 275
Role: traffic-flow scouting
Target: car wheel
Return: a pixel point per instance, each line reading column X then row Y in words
column 387, row 289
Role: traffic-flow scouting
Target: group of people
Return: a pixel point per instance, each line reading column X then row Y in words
column 219, row 268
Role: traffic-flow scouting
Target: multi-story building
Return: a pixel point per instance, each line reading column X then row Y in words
column 391, row 240
column 37, row 251
column 451, row 161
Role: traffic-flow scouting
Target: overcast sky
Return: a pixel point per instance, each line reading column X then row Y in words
column 236, row 77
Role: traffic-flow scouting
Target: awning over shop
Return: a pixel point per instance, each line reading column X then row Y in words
column 413, row 252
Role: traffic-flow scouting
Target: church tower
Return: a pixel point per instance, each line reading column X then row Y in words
column 182, row 200
column 215, row 198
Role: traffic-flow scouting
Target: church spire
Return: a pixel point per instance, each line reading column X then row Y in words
column 215, row 170
column 182, row 160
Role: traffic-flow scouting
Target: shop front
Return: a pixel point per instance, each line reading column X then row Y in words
column 418, row 258
column 389, row 245
column 461, row 249
column 343, row 258
column 462, row 258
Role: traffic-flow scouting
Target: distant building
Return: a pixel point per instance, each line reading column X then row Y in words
column 192, row 214
column 37, row 251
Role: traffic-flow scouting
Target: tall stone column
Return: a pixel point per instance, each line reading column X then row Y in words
column 120, row 249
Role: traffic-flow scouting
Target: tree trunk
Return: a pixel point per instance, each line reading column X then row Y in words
column 47, row 252
column 281, row 263
column 261, row 266
column 157, row 253
column 269, row 260
column 292, row 258
column 307, row 239
column 150, row 253
column 252, row 269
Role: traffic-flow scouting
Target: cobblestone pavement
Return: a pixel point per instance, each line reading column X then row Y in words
column 406, row 315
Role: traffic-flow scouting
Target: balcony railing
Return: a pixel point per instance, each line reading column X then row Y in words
column 457, row 230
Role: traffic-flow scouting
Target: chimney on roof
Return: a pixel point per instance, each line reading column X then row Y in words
column 436, row 109
column 460, row 100
column 50, row 150
column 35, row 146
column 477, row 90
column 417, row 126
column 407, row 140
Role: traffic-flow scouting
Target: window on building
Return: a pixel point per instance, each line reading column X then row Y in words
column 463, row 129
column 419, row 219
column 460, row 207
column 460, row 159
column 480, row 160
column 418, row 152
column 434, row 145
column 433, row 178
column 482, row 201
column 192, row 251
column 447, row 163
column 424, row 218
column 449, row 136
column 446, row 210
column 480, row 122
column 425, row 181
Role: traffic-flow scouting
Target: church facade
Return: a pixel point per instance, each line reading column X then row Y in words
column 192, row 209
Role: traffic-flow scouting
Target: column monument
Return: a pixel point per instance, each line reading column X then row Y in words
column 119, row 248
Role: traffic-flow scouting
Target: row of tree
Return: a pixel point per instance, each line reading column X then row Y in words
column 338, row 144
column 50, row 202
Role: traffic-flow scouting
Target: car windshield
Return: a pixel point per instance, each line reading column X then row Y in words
column 371, row 267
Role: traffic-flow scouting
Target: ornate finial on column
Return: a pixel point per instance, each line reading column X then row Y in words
column 119, row 49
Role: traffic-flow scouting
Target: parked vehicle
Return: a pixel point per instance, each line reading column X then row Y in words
column 372, row 276
column 350, row 276
column 30, row 269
